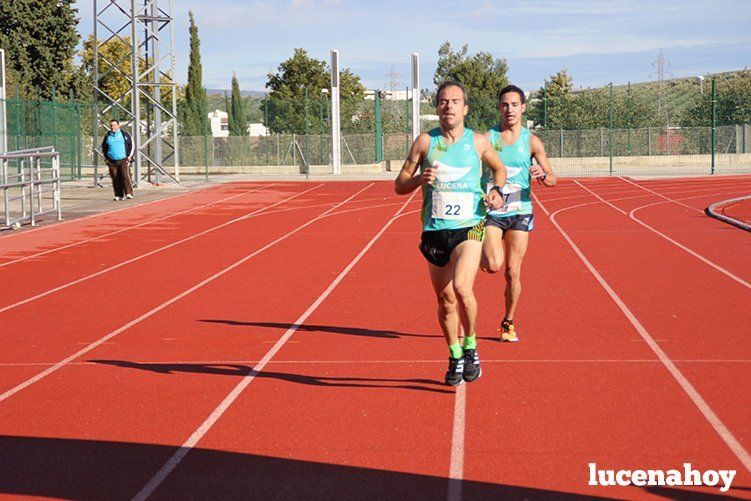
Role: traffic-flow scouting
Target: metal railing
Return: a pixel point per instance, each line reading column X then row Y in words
column 26, row 173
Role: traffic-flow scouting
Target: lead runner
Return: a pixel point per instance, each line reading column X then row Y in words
column 450, row 158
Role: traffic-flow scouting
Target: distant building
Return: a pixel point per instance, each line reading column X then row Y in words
column 220, row 125
column 392, row 95
column 257, row 129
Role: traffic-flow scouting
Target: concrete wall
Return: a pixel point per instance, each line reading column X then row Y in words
column 673, row 165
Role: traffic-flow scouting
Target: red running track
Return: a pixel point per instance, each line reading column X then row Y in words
column 278, row 340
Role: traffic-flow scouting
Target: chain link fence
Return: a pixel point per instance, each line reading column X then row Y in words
column 679, row 127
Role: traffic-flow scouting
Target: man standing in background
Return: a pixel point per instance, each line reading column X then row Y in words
column 117, row 148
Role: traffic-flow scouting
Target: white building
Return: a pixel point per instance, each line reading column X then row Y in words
column 220, row 125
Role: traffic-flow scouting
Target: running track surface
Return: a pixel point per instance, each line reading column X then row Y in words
column 279, row 340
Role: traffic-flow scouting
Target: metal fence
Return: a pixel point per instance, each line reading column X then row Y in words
column 63, row 124
column 698, row 125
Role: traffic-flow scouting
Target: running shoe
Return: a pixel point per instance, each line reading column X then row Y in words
column 472, row 369
column 129, row 196
column 507, row 331
column 455, row 371
column 117, row 199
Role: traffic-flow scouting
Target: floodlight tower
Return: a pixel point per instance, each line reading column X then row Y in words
column 148, row 67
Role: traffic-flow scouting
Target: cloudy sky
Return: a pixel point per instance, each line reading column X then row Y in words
column 598, row 41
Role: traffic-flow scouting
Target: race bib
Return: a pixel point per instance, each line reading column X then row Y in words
column 512, row 198
column 453, row 205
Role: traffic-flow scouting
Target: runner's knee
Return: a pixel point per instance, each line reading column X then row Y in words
column 446, row 303
column 512, row 274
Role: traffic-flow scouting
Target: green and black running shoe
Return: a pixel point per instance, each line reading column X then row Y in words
column 454, row 373
column 472, row 369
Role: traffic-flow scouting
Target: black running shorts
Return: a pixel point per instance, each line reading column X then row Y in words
column 521, row 222
column 437, row 246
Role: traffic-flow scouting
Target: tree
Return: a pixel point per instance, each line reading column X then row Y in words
column 194, row 112
column 287, row 88
column 555, row 99
column 238, row 120
column 483, row 76
column 40, row 38
column 733, row 102
column 115, row 84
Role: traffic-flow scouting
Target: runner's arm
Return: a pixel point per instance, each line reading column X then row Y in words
column 406, row 182
column 542, row 171
column 490, row 158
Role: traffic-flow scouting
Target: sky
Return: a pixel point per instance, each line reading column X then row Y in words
column 596, row 41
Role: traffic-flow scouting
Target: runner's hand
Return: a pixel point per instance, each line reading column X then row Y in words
column 428, row 175
column 494, row 200
column 536, row 171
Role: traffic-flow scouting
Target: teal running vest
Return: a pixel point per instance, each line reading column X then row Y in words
column 518, row 159
column 455, row 199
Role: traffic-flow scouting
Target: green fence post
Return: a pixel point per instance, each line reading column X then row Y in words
column 611, row 128
column 71, row 133
column 206, row 152
column 630, row 116
column 18, row 116
column 307, row 130
column 266, row 124
column 53, row 104
column 714, row 124
column 320, row 132
column 545, row 106
column 38, row 119
column 407, row 121
column 378, row 128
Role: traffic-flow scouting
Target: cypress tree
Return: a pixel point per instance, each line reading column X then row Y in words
column 195, row 115
column 238, row 120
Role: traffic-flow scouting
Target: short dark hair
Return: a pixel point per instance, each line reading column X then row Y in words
column 451, row 83
column 115, row 120
column 511, row 88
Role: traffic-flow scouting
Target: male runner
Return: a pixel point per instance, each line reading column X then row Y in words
column 450, row 159
column 507, row 228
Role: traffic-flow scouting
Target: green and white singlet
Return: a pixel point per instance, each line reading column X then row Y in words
column 455, row 199
column 518, row 159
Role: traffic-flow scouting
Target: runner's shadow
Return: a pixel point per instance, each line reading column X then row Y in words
column 239, row 370
column 66, row 468
column 355, row 331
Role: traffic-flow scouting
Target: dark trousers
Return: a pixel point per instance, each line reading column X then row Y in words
column 120, row 174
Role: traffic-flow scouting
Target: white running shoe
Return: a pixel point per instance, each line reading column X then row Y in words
column 129, row 196
column 117, row 199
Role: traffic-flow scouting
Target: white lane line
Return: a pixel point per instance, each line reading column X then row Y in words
column 456, row 465
column 174, row 299
column 423, row 361
column 128, row 228
column 722, row 430
column 672, row 241
column 151, row 253
column 199, row 433
column 659, row 194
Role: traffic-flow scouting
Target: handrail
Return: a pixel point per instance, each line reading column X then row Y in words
column 33, row 176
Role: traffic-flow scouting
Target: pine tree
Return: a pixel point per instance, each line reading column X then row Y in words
column 238, row 119
column 194, row 118
column 40, row 39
